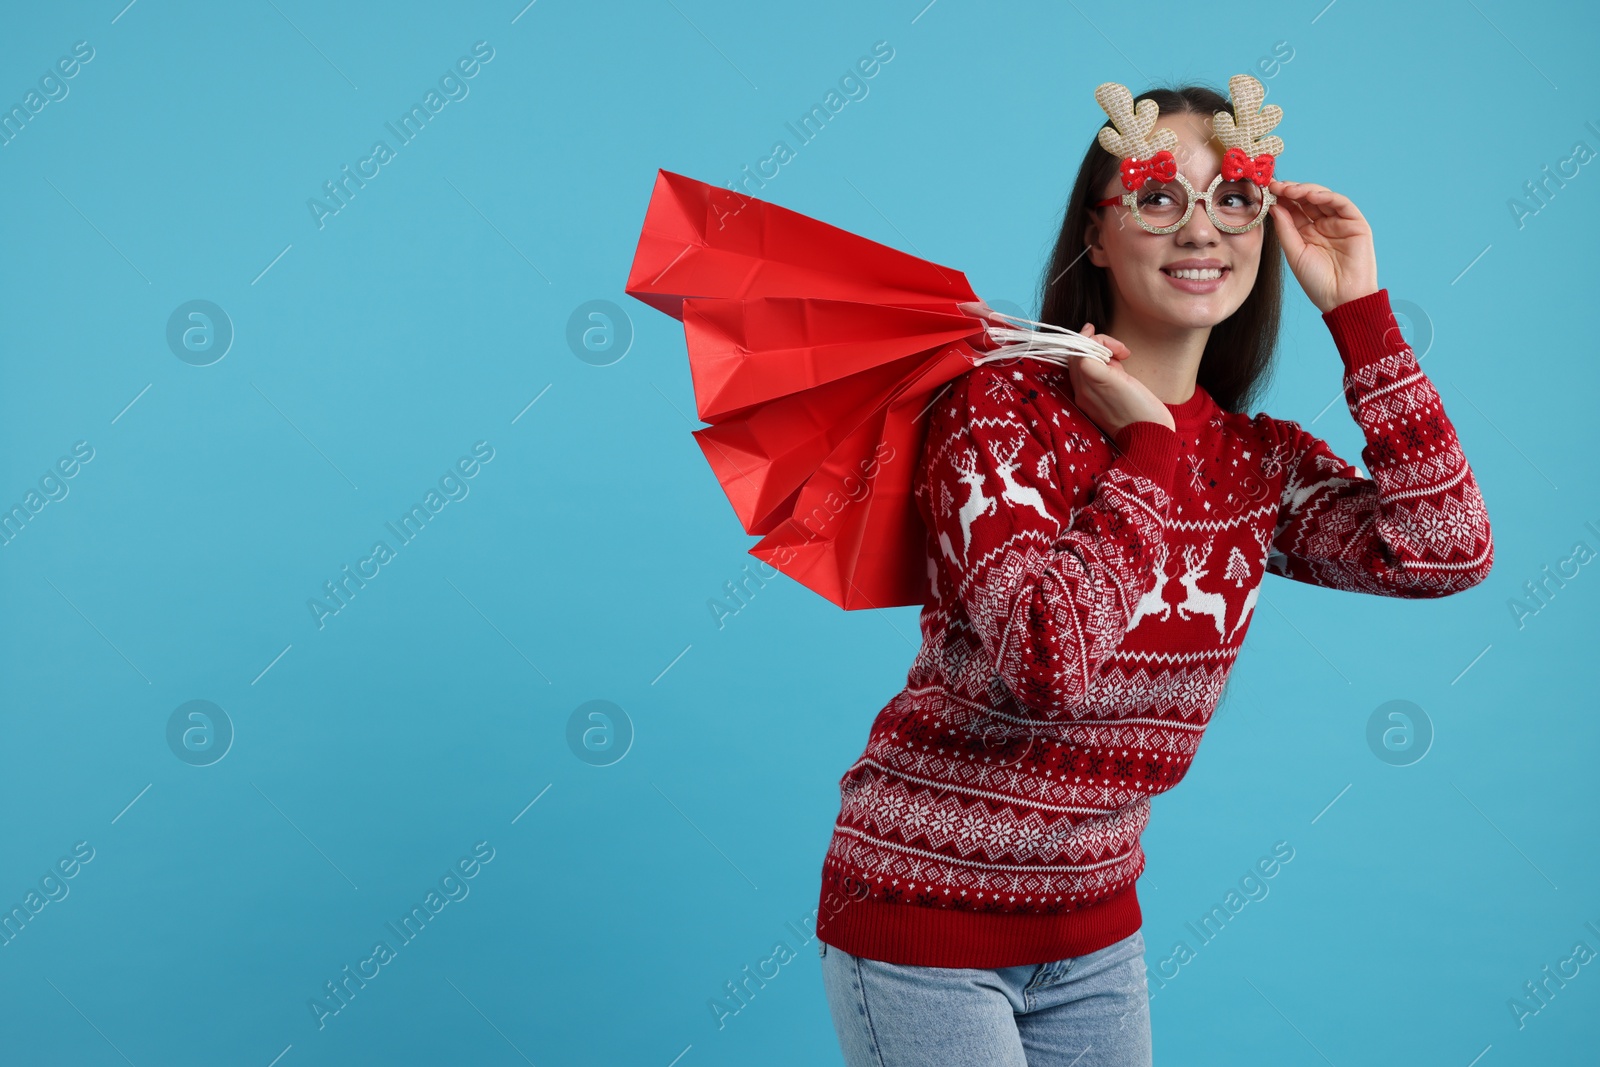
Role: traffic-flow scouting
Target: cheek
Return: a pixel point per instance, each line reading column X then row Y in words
column 1132, row 249
column 1248, row 262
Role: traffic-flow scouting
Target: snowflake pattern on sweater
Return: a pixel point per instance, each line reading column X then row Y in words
column 1086, row 604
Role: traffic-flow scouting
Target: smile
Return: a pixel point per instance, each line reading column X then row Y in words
column 1196, row 279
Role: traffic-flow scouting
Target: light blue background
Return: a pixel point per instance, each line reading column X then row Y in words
column 433, row 710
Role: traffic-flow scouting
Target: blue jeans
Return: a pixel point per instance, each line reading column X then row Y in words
column 1084, row 1011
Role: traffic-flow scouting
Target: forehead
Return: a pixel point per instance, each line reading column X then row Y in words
column 1199, row 154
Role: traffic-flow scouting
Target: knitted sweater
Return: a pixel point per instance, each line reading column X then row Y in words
column 1085, row 607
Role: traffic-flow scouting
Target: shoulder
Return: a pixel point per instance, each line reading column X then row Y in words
column 1275, row 431
column 1013, row 394
column 1286, row 444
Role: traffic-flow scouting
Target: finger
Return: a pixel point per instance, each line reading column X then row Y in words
column 1077, row 374
column 1092, row 369
column 1312, row 204
column 1290, row 215
column 1319, row 205
column 1299, row 190
column 1323, row 200
column 1288, row 234
column 1302, row 197
column 1299, row 212
column 1338, row 205
column 1118, row 349
column 1318, row 194
column 1312, row 209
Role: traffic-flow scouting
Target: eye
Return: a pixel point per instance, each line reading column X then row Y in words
column 1243, row 195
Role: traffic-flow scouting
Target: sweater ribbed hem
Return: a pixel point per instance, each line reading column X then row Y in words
column 1364, row 329
column 1149, row 449
column 941, row 937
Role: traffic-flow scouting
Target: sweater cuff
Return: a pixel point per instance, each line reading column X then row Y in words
column 1365, row 329
column 1150, row 450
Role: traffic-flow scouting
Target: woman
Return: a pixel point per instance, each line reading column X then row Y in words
column 978, row 902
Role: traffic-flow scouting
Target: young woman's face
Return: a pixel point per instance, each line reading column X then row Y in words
column 1145, row 267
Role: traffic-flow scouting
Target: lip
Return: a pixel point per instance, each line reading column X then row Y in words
column 1197, row 285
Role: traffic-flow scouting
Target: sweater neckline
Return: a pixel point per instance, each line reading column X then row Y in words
column 1194, row 411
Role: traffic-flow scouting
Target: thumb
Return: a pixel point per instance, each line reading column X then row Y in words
column 1288, row 234
column 1093, row 369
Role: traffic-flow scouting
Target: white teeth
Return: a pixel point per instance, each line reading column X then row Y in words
column 1209, row 274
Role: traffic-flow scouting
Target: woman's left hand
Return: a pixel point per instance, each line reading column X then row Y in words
column 1327, row 242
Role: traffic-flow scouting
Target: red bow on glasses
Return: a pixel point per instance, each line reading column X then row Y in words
column 1236, row 165
column 1161, row 166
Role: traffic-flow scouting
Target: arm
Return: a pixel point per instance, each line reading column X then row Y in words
column 1418, row 527
column 1048, row 586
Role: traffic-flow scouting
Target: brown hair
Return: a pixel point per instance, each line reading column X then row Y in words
column 1237, row 363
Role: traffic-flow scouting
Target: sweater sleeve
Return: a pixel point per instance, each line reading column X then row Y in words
column 1418, row 526
column 1048, row 588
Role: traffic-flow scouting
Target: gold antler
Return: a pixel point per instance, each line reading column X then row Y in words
column 1246, row 127
column 1134, row 126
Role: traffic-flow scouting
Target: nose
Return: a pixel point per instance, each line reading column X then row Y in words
column 1199, row 231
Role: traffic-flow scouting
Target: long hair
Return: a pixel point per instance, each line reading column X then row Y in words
column 1237, row 364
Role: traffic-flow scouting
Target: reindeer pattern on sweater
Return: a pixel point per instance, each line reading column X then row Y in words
column 1086, row 604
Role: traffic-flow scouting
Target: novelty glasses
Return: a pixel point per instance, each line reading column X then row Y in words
column 1159, row 197
column 1234, row 205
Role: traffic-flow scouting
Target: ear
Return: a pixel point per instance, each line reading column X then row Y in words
column 1093, row 238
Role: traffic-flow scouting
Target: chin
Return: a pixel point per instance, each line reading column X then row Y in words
column 1195, row 312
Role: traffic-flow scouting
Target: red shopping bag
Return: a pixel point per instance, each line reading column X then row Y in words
column 815, row 355
column 704, row 240
column 854, row 533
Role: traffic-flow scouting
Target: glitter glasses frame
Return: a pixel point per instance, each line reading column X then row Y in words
column 1130, row 198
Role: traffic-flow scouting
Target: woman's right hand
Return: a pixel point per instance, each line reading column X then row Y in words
column 1108, row 394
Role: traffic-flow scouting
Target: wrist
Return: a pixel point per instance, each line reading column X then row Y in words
column 1364, row 329
column 1349, row 296
column 1150, row 450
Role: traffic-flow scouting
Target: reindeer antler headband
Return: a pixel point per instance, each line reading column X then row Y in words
column 1143, row 156
column 1245, row 132
column 1146, row 152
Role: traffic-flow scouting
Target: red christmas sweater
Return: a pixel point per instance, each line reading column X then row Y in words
column 1086, row 604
